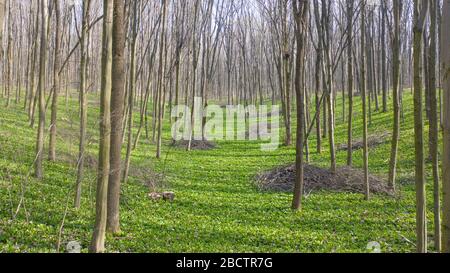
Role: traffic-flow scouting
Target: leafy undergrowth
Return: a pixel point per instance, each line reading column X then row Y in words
column 217, row 207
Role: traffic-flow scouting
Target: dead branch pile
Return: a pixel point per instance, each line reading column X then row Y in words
column 346, row 179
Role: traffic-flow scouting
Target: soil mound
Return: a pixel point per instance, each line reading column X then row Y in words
column 201, row 145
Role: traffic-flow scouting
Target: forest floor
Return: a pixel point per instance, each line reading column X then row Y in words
column 218, row 207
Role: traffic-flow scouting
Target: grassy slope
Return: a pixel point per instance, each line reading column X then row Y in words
column 217, row 208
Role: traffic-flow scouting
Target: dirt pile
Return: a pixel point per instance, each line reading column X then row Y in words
column 200, row 145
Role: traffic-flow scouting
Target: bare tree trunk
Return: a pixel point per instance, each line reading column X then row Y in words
column 434, row 125
column 32, row 104
column 161, row 81
column 368, row 70
column 38, row 172
column 396, row 44
column 364, row 101
column 317, row 99
column 56, row 81
column 2, row 18
column 324, row 35
column 117, row 104
column 327, row 72
column 445, row 61
column 330, row 95
column 350, row 11
column 420, row 13
column 194, row 73
column 19, row 63
column 384, row 76
column 132, row 90
column 300, row 9
column 143, row 113
column 98, row 238
column 83, row 101
column 9, row 57
column 373, row 61
column 29, row 55
column 287, row 74
column 67, row 72
column 177, row 83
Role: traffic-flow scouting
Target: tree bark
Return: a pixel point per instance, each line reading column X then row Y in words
column 56, row 81
column 161, row 80
column 328, row 72
column 384, row 75
column 287, row 74
column 38, row 171
column 420, row 12
column 8, row 61
column 98, row 238
column 117, row 104
column 194, row 73
column 350, row 11
column 2, row 19
column 132, row 90
column 317, row 100
column 434, row 125
column 32, row 78
column 83, row 101
column 396, row 44
column 445, row 62
column 300, row 9
column 364, row 101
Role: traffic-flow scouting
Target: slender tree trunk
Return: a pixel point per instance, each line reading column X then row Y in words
column 434, row 125
column 161, row 81
column 177, row 82
column 2, row 18
column 331, row 118
column 330, row 91
column 420, row 12
column 287, row 76
column 194, row 74
column 317, row 102
column 373, row 61
column 396, row 44
column 32, row 104
column 36, row 96
column 98, row 238
column 300, row 9
column 132, row 90
column 29, row 56
column 19, row 67
column 350, row 10
column 384, row 76
column 117, row 102
column 38, row 171
column 143, row 114
column 368, row 70
column 56, row 81
column 9, row 56
column 67, row 76
column 364, row 102
column 445, row 61
column 83, row 101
